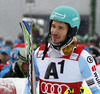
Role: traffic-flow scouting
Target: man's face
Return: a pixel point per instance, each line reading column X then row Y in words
column 24, row 67
column 4, row 57
column 58, row 31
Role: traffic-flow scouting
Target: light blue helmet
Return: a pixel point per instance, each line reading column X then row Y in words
column 67, row 15
column 13, row 54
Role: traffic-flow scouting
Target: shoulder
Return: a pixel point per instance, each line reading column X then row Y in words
column 40, row 48
column 79, row 49
column 7, row 66
column 86, row 59
column 82, row 52
column 83, row 46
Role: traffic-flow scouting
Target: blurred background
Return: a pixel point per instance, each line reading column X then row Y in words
column 38, row 11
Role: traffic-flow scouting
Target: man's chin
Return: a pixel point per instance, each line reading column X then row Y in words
column 55, row 42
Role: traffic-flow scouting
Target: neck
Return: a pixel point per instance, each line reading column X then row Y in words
column 59, row 45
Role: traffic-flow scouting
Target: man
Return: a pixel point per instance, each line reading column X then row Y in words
column 60, row 63
column 4, row 54
column 4, row 60
column 19, row 67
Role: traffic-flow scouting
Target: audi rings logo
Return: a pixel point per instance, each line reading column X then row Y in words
column 50, row 88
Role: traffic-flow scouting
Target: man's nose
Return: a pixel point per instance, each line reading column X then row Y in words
column 55, row 31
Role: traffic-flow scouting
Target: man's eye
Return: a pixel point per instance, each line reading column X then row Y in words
column 53, row 26
column 61, row 28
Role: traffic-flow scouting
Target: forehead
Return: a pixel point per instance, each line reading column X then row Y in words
column 3, row 53
column 59, row 23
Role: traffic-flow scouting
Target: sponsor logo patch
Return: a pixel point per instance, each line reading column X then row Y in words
column 59, row 15
column 74, row 56
column 90, row 59
column 40, row 54
column 90, row 82
column 76, row 18
column 50, row 88
column 93, row 68
column 97, row 78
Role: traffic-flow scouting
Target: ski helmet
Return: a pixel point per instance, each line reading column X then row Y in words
column 67, row 15
column 21, row 55
column 13, row 54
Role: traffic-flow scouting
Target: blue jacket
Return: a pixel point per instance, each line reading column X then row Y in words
column 5, row 70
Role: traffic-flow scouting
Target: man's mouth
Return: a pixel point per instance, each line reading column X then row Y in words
column 55, row 36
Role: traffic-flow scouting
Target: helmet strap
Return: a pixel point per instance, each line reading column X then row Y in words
column 46, row 46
